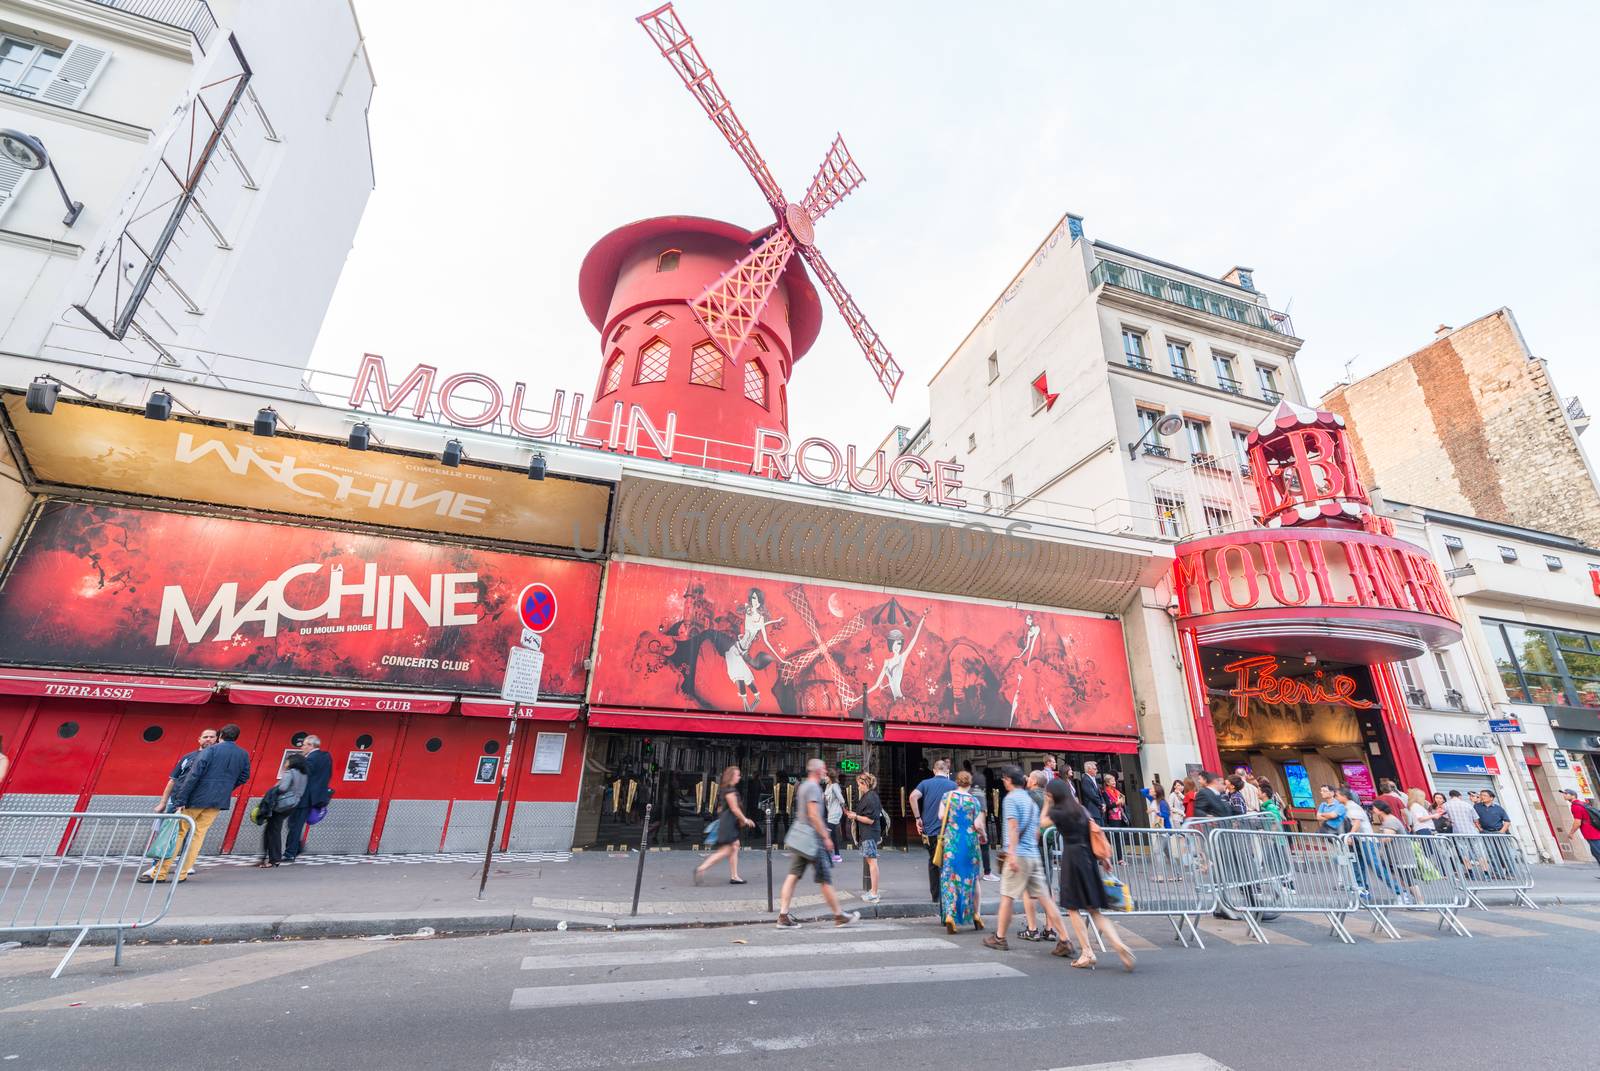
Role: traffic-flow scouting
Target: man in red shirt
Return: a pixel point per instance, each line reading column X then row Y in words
column 1582, row 824
column 1391, row 794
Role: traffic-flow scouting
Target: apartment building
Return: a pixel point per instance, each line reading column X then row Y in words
column 1473, row 423
column 181, row 181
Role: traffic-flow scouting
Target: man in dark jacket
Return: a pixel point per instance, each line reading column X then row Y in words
column 207, row 790
column 1209, row 801
column 319, row 775
column 1090, row 793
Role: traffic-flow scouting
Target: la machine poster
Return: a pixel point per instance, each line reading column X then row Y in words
column 688, row 640
column 149, row 590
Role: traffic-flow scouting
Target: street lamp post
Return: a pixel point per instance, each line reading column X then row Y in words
column 28, row 153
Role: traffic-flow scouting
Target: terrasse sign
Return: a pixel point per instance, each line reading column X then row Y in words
column 474, row 400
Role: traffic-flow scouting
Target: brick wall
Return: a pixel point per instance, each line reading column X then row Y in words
column 1472, row 424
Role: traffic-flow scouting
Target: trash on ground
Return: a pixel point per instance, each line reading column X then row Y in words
column 422, row 934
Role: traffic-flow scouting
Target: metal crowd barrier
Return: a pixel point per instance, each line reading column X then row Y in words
column 1259, row 873
column 1160, row 868
column 94, row 886
column 1492, row 862
column 1408, row 872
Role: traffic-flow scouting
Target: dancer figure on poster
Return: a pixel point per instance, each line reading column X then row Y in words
column 741, row 663
column 894, row 666
column 1028, row 652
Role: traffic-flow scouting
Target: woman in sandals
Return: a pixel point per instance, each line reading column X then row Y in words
column 730, row 819
column 1081, row 889
column 960, row 824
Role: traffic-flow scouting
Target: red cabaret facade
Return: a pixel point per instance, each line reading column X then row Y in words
column 1318, row 604
column 388, row 649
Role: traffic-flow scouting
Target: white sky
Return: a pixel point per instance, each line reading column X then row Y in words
column 1383, row 167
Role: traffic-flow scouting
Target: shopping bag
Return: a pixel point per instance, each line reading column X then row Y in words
column 710, row 839
column 1425, row 865
column 164, row 841
column 1099, row 842
column 316, row 814
column 1118, row 898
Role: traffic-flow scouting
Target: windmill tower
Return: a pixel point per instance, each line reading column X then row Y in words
column 706, row 318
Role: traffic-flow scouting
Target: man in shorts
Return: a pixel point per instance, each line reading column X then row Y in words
column 810, row 845
column 1023, row 874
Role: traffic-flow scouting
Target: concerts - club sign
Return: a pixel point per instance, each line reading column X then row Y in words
column 105, row 586
column 693, row 640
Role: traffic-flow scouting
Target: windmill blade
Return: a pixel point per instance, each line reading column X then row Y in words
column 878, row 356
column 834, row 181
column 677, row 47
column 730, row 307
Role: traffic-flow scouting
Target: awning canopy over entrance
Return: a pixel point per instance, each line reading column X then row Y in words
column 90, row 685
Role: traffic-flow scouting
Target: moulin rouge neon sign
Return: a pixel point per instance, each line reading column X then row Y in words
column 1257, row 678
column 815, row 460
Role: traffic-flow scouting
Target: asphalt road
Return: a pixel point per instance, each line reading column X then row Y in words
column 883, row 996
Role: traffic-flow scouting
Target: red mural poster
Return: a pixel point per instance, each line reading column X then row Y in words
column 114, row 588
column 680, row 639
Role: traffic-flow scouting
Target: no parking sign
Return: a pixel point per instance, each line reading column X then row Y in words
column 537, row 607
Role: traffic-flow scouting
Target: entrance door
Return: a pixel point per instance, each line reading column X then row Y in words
column 54, row 766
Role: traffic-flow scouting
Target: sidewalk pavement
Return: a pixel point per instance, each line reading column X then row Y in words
column 588, row 890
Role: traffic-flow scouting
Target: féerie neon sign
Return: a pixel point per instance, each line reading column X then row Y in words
column 1257, row 678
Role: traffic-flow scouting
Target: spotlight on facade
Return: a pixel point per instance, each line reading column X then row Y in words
column 360, row 436
column 453, row 453
column 42, row 395
column 28, row 153
column 266, row 424
column 536, row 467
column 1167, row 426
column 158, row 406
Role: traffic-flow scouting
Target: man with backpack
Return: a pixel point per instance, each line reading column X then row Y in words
column 1585, row 822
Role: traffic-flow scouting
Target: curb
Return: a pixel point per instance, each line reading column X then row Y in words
column 242, row 928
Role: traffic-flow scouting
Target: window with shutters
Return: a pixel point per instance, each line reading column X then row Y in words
column 11, row 179
column 653, row 360
column 613, row 376
column 658, row 321
column 705, row 365
column 26, row 67
column 755, row 382
column 31, row 69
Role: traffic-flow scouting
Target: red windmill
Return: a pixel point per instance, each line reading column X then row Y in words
column 730, row 308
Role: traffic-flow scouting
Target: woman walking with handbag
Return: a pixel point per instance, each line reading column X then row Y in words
column 833, row 802
column 290, row 787
column 1082, row 888
column 960, row 826
column 729, row 819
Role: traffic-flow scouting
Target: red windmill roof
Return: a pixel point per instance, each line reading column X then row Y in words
column 597, row 278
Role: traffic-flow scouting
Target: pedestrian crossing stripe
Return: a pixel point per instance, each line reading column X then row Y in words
column 637, row 957
column 744, row 985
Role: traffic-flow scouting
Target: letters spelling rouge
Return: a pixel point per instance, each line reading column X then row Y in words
column 1258, row 678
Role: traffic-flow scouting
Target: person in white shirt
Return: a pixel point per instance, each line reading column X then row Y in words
column 1353, row 811
column 1463, row 818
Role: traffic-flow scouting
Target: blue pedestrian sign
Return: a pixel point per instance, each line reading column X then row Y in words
column 1505, row 725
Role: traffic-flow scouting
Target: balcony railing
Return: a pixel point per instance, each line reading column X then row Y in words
column 192, row 15
column 1232, row 386
column 1156, row 450
column 1185, row 374
column 1271, row 395
column 1125, row 277
column 1140, row 363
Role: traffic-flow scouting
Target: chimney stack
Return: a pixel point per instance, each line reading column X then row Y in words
column 1442, row 330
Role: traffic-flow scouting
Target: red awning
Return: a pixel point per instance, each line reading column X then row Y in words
column 962, row 736
column 81, row 685
column 265, row 695
column 677, row 721
column 499, row 708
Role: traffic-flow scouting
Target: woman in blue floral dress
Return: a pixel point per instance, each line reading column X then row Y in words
column 960, row 821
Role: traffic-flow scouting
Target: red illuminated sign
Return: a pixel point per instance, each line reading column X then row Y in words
column 1257, row 678
column 135, row 589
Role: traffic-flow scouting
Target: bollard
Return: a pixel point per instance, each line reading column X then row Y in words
column 768, row 809
column 644, row 848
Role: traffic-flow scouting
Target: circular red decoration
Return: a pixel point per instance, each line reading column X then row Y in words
column 799, row 224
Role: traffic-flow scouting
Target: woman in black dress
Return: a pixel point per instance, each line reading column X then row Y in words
column 730, row 817
column 1081, row 889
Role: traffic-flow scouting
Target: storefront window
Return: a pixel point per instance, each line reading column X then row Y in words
column 1505, row 664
